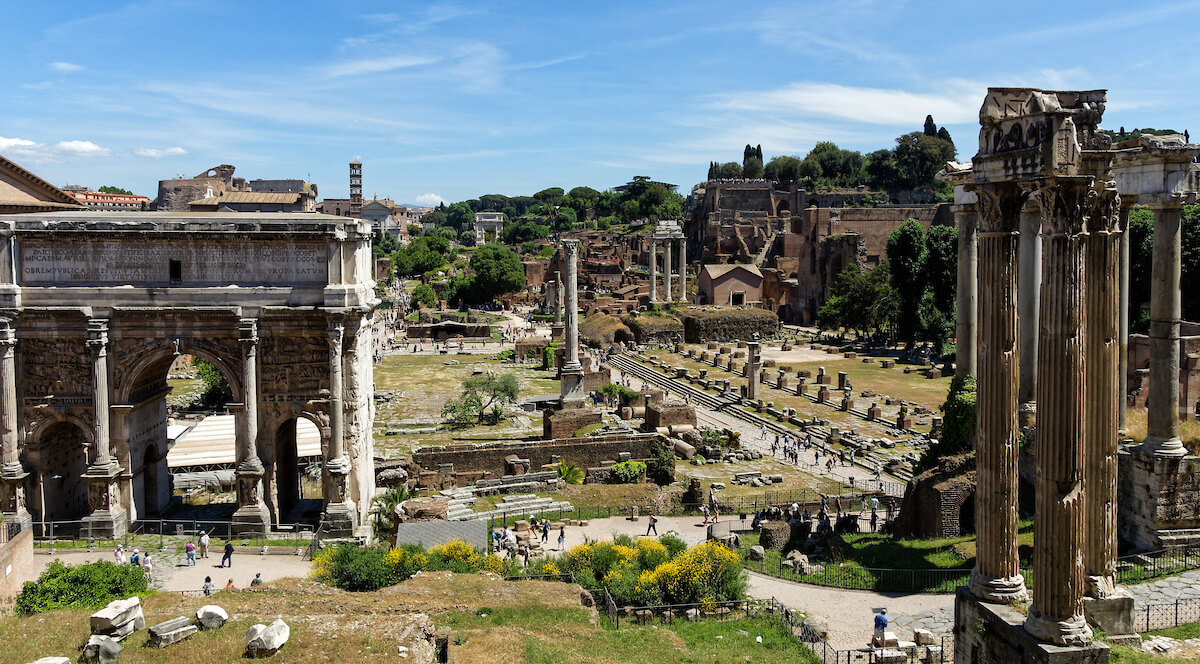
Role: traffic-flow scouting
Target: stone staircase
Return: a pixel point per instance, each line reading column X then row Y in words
column 512, row 505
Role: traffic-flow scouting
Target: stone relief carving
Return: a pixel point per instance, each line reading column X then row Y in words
column 292, row 367
column 56, row 367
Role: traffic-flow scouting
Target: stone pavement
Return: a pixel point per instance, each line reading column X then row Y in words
column 850, row 614
column 1167, row 590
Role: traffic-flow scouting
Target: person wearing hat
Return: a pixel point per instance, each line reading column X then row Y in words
column 881, row 623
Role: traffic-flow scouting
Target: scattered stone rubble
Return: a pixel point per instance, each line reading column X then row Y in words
column 265, row 640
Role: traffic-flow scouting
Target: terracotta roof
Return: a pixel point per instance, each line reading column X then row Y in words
column 248, row 197
column 16, row 183
column 717, row 270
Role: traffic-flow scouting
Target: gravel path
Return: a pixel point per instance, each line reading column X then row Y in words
column 850, row 613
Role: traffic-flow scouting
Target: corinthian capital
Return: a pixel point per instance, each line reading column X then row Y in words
column 999, row 207
column 1065, row 202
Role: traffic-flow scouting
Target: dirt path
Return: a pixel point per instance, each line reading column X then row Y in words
column 171, row 575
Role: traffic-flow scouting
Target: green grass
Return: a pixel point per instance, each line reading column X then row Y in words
column 1181, row 632
column 1123, row 655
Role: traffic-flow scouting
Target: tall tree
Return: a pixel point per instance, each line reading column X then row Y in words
column 930, row 126
column 919, row 157
column 753, row 168
column 549, row 196
column 907, row 253
column 783, row 169
column 941, row 266
column 945, row 135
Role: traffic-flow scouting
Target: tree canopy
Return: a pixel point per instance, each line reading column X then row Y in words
column 109, row 189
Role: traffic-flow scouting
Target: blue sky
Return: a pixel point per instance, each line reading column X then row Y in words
column 453, row 100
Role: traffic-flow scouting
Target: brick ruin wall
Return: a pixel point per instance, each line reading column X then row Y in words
column 491, row 458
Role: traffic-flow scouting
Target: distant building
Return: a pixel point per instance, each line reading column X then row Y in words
column 177, row 194
column 104, row 202
column 386, row 216
column 732, row 284
column 255, row 201
column 338, row 207
column 22, row 191
column 356, row 200
column 488, row 226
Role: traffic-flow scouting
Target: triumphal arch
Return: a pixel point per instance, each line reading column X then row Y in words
column 94, row 309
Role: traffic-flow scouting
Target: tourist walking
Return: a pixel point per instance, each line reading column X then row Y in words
column 562, row 537
column 652, row 527
column 704, row 511
column 136, row 558
column 204, row 544
column 190, row 550
column 148, row 566
column 546, row 530
column 228, row 557
column 119, row 555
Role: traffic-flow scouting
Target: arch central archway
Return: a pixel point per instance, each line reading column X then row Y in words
column 64, row 457
column 298, row 448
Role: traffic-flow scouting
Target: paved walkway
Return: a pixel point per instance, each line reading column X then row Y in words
column 171, row 575
column 850, row 614
column 1166, row 590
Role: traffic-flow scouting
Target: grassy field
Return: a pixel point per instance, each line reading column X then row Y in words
column 424, row 383
column 1189, row 430
column 491, row 621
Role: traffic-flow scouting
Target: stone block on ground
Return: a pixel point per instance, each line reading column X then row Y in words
column 115, row 615
column 211, row 616
column 266, row 640
column 933, row 654
column 923, row 637
column 692, row 614
column 52, row 660
column 172, row 631
column 756, row 553
column 101, row 649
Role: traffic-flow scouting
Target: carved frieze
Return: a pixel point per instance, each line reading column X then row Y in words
column 293, row 368
column 55, row 368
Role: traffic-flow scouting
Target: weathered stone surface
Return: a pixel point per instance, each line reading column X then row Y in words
column 692, row 614
column 774, row 534
column 116, row 614
column 211, row 616
column 172, row 631
column 429, row 508
column 756, row 552
column 101, row 649
column 265, row 640
column 52, row 660
column 923, row 637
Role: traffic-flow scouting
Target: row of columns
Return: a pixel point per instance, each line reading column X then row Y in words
column 669, row 266
column 1075, row 387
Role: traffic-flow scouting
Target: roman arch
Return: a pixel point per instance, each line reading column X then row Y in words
column 95, row 307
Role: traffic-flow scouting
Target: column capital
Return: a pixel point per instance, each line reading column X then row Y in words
column 97, row 335
column 1065, row 202
column 248, row 330
column 8, row 336
column 998, row 206
column 571, row 246
column 337, row 332
column 1104, row 213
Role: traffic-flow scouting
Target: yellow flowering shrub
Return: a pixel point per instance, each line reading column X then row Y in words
column 651, row 553
column 579, row 558
column 495, row 565
column 550, row 568
column 322, row 566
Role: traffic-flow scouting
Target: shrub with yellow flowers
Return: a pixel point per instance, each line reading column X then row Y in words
column 651, row 553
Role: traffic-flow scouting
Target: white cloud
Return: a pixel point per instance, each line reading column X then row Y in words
column 32, row 152
column 375, row 65
column 155, row 153
column 65, row 66
column 429, row 200
column 957, row 103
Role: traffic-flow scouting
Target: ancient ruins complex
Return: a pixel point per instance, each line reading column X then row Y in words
column 96, row 308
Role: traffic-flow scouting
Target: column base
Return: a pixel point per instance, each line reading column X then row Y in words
column 556, row 331
column 993, row 633
column 105, row 523
column 1113, row 615
column 341, row 519
column 571, row 379
column 12, row 495
column 108, row 518
column 1073, row 631
column 998, row 590
column 1100, row 587
column 251, row 520
column 252, row 516
column 1163, row 447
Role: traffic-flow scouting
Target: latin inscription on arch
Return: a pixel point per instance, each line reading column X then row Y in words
column 147, row 262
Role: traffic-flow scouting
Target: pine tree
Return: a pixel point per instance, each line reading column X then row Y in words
column 945, row 135
column 930, row 126
column 758, row 152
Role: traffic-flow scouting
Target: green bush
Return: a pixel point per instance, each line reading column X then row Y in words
column 360, row 569
column 628, row 472
column 623, row 393
column 958, row 423
column 89, row 586
column 675, row 546
column 661, row 466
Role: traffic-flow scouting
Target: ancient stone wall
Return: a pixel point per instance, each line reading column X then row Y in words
column 16, row 563
column 587, row 453
column 647, row 329
column 940, row 502
column 728, row 324
column 1158, row 500
column 669, row 414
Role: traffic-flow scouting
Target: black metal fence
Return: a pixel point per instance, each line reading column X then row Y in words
column 1162, row 615
column 942, row 651
column 164, row 533
column 1140, row 567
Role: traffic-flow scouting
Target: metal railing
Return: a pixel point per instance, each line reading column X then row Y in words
column 1163, row 615
column 941, row 652
column 1139, row 567
column 161, row 533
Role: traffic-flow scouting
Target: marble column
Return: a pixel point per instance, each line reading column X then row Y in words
column 1123, row 312
column 558, row 297
column 339, row 508
column 752, row 370
column 12, row 472
column 683, row 271
column 997, row 576
column 1101, row 387
column 968, row 289
column 653, row 271
column 1162, row 409
column 572, row 370
column 667, row 267
column 1056, row 614
column 1029, row 277
column 107, row 517
column 251, row 515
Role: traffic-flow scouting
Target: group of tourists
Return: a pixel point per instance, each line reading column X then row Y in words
column 505, row 541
